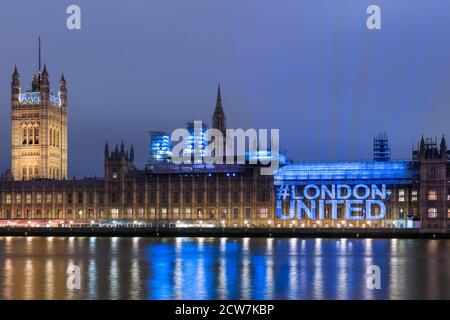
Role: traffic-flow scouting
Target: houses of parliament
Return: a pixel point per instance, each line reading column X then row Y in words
column 223, row 195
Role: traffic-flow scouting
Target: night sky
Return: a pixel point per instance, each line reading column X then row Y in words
column 308, row 67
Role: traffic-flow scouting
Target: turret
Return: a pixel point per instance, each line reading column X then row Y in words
column 15, row 88
column 443, row 148
column 119, row 162
column 422, row 147
column 132, row 154
column 63, row 91
column 122, row 149
column 106, row 150
column 44, row 86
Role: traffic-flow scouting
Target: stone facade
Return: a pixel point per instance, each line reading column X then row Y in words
column 38, row 129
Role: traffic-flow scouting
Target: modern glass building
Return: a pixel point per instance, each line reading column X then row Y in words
column 197, row 141
column 160, row 147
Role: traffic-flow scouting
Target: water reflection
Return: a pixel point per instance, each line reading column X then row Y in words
column 223, row 268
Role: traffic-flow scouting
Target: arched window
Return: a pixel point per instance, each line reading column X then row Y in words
column 30, row 135
column 24, row 136
column 36, row 135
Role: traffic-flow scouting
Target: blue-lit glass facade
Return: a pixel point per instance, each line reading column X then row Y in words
column 160, row 147
column 196, row 142
column 265, row 156
column 390, row 172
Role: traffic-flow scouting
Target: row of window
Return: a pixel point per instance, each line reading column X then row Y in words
column 188, row 213
column 115, row 197
column 433, row 213
column 30, row 136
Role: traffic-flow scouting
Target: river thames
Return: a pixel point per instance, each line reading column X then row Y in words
column 222, row 268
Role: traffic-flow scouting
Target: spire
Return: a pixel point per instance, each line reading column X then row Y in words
column 116, row 153
column 132, row 153
column 15, row 74
column 106, row 149
column 122, row 149
column 219, row 98
column 39, row 54
column 443, row 147
column 62, row 80
column 45, row 72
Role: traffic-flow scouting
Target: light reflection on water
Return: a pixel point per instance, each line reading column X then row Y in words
column 223, row 268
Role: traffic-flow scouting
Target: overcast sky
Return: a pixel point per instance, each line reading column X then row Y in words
column 308, row 67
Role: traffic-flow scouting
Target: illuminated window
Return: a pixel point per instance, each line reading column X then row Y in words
column 211, row 213
column 49, row 198
column 8, row 198
column 187, row 213
column 223, row 213
column 414, row 195
column 432, row 213
column 199, row 213
column 59, row 198
column 401, row 195
column 448, row 213
column 264, row 213
column 18, row 198
column 28, row 198
column 39, row 198
column 432, row 195
column 114, row 213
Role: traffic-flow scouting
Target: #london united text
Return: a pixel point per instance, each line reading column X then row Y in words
column 359, row 202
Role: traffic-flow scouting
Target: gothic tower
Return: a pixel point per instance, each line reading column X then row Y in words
column 218, row 118
column 432, row 160
column 39, row 128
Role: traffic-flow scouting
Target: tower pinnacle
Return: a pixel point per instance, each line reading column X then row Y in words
column 218, row 118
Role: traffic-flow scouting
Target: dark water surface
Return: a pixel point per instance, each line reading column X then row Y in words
column 223, row 268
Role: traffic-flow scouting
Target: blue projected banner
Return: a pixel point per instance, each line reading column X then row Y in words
column 360, row 202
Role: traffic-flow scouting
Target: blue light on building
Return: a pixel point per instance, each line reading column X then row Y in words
column 266, row 156
column 160, row 147
column 390, row 172
column 196, row 142
column 35, row 98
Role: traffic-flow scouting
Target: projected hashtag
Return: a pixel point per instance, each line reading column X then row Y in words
column 283, row 192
